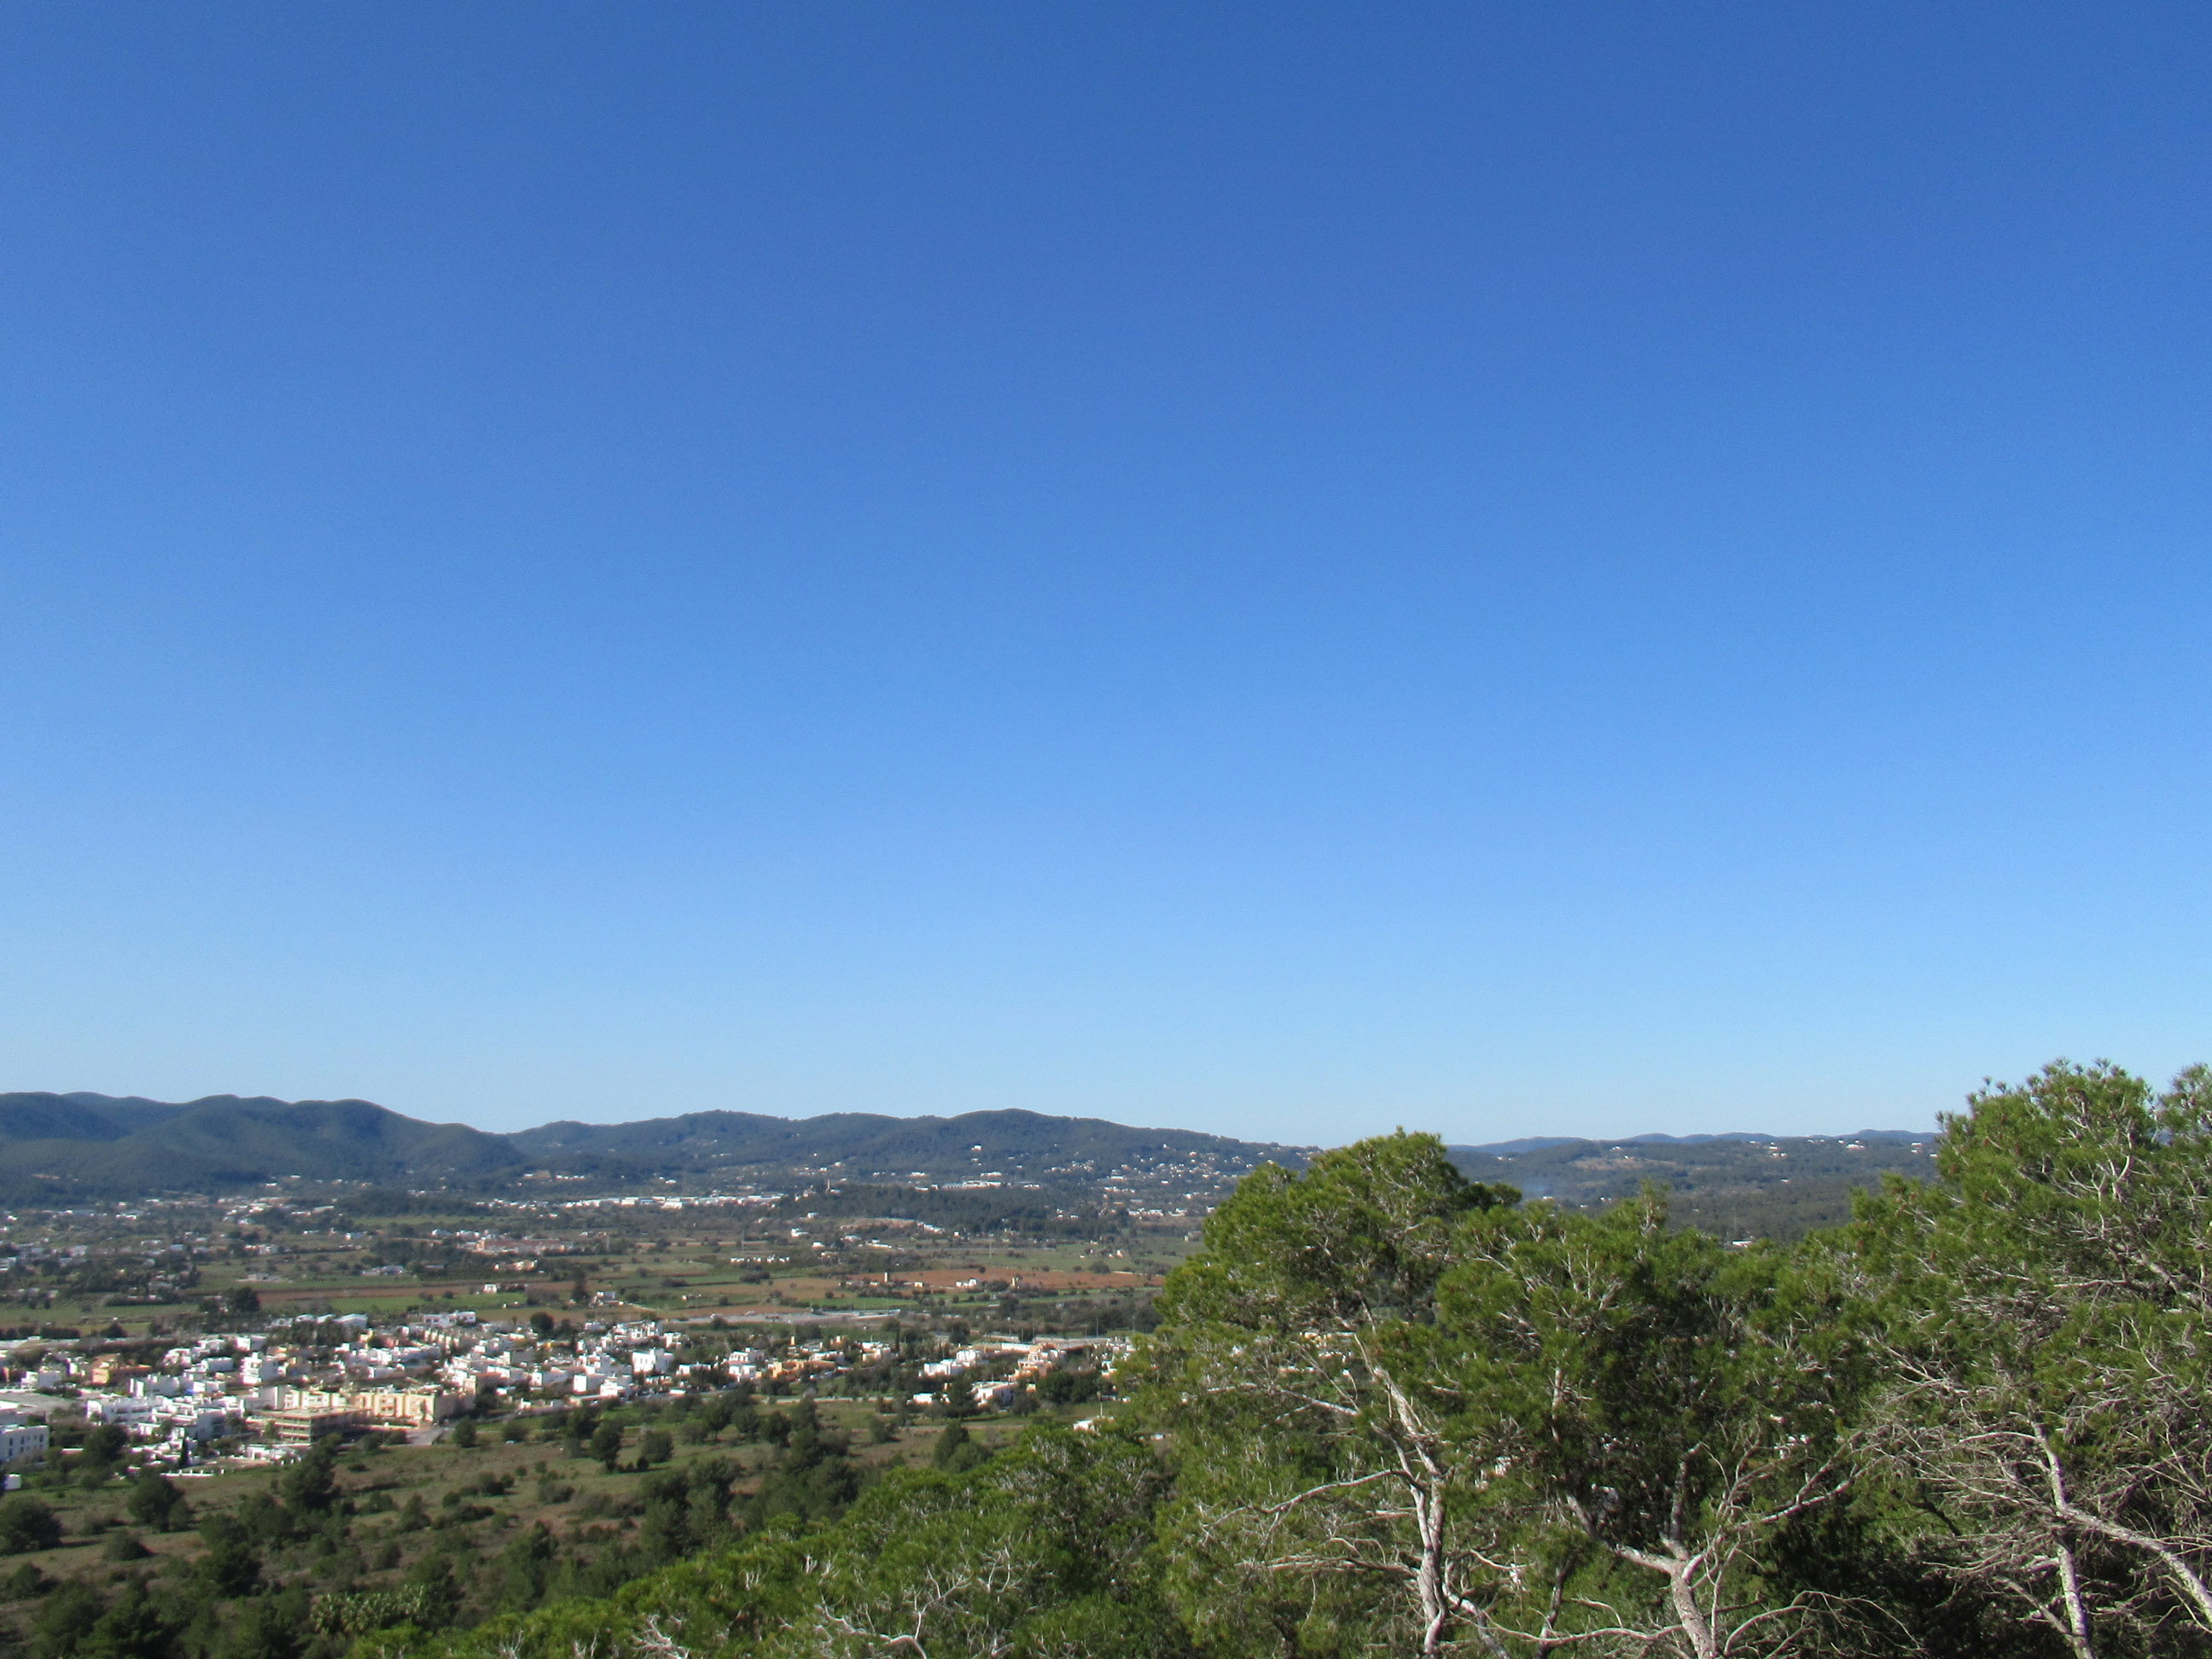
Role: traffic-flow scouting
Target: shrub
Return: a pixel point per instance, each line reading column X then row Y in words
column 158, row 1502
column 27, row 1524
column 67, row 1618
column 957, row 1451
column 606, row 1443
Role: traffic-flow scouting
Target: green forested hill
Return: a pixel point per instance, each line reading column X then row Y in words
column 68, row 1147
column 78, row 1117
column 868, row 1145
column 224, row 1143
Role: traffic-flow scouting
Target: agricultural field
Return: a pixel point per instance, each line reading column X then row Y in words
column 145, row 1271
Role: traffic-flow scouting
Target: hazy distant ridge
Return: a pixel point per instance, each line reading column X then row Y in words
column 90, row 1145
column 1737, row 1185
column 65, row 1148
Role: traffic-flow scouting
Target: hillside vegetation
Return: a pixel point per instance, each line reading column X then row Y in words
column 67, row 1148
column 1779, row 1186
column 64, row 1149
column 1389, row 1409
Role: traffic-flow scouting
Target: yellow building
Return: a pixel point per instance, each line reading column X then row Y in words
column 399, row 1407
column 304, row 1428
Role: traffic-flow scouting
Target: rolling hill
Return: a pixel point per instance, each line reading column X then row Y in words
column 63, row 1148
column 1004, row 1143
column 1735, row 1185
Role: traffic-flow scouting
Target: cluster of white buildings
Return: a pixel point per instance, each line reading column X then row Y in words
column 234, row 1383
column 819, row 1357
column 602, row 1364
column 1031, row 1360
column 295, row 1383
column 277, row 1386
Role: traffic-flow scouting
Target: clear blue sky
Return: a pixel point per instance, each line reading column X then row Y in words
column 1277, row 569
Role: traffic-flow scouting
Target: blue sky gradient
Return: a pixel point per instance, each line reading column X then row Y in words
column 1281, row 570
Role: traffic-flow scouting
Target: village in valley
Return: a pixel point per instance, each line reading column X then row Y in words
column 547, row 1370
column 260, row 1323
column 261, row 1394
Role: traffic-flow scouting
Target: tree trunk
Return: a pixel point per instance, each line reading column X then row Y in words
column 2069, row 1581
column 2077, row 1615
column 1692, row 1616
column 1436, row 1610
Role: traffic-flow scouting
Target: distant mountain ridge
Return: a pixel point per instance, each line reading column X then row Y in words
column 1735, row 1185
column 78, row 1117
column 1539, row 1143
column 868, row 1144
column 84, row 1145
column 63, row 1148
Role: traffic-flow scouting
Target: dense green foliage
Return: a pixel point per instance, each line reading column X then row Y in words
column 1411, row 1417
column 2041, row 1323
column 1047, row 1549
column 27, row 1524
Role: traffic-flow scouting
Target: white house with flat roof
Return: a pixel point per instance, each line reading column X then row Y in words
column 21, row 1438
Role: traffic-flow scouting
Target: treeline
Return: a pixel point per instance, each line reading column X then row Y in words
column 1780, row 1188
column 390, row 1201
column 123, row 1281
column 1411, row 1413
column 1783, row 1213
column 980, row 1211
